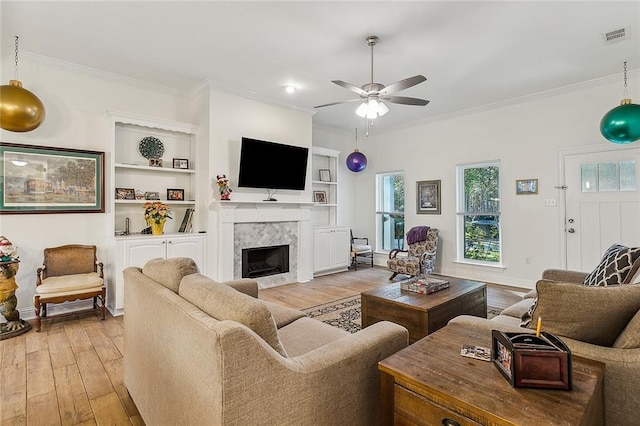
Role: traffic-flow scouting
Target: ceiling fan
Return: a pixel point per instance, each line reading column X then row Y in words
column 372, row 94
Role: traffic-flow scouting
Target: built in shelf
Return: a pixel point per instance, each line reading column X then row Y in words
column 322, row 182
column 141, row 202
column 152, row 169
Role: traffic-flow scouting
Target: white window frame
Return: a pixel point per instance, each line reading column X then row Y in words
column 461, row 214
column 380, row 202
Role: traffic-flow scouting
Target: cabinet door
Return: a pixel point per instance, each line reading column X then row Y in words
column 342, row 247
column 139, row 252
column 192, row 247
column 322, row 252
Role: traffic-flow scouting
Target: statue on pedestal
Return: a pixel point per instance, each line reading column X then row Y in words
column 8, row 300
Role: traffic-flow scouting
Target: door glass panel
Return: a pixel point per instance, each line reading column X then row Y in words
column 628, row 176
column 607, row 177
column 588, row 177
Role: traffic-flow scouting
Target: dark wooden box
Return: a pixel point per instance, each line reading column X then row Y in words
column 527, row 361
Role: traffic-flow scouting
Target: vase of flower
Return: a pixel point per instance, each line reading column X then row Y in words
column 157, row 228
column 156, row 214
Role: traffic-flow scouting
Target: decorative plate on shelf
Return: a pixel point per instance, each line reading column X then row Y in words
column 151, row 147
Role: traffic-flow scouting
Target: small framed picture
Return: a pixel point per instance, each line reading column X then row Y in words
column 526, row 186
column 175, row 194
column 151, row 195
column 428, row 197
column 325, row 175
column 125, row 194
column 320, row 197
column 155, row 162
column 180, row 163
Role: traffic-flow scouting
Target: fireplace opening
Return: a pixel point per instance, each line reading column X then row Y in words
column 263, row 261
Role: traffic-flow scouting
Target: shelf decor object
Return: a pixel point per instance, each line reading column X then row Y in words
column 622, row 124
column 41, row 179
column 20, row 109
column 356, row 161
column 151, row 148
column 156, row 214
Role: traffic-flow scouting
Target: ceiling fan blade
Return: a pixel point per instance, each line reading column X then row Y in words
column 402, row 84
column 405, row 100
column 350, row 86
column 336, row 103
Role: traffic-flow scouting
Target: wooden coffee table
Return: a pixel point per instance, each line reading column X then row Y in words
column 430, row 383
column 422, row 314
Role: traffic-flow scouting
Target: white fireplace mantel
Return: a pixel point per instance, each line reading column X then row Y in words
column 225, row 214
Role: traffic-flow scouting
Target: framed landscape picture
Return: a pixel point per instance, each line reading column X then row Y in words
column 428, row 197
column 526, row 186
column 40, row 179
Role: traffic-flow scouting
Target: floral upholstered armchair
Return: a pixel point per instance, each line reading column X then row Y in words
column 420, row 256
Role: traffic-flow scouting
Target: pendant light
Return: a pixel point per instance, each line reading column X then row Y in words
column 20, row 110
column 356, row 161
column 622, row 124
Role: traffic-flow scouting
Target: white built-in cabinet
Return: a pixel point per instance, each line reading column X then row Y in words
column 331, row 247
column 129, row 169
column 331, row 243
column 136, row 251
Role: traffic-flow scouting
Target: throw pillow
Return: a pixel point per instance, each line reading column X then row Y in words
column 169, row 272
column 225, row 303
column 618, row 263
column 589, row 314
column 630, row 336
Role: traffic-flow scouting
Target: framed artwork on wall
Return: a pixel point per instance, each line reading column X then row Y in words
column 526, row 186
column 428, row 197
column 41, row 179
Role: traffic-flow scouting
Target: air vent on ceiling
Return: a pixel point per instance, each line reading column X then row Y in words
column 616, row 35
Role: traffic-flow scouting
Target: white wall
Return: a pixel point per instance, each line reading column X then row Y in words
column 526, row 137
column 76, row 101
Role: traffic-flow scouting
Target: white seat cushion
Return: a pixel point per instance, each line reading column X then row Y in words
column 69, row 283
column 360, row 248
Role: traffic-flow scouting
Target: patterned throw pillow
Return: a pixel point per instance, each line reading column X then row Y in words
column 617, row 264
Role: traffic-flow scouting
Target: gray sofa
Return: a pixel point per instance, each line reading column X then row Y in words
column 199, row 352
column 600, row 323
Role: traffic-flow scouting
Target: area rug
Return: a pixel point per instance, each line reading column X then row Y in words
column 345, row 313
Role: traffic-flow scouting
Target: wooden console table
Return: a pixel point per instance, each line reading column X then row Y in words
column 422, row 314
column 430, row 383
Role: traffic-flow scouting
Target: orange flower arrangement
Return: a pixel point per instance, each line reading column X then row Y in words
column 156, row 212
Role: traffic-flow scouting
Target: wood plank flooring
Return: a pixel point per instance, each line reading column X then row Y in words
column 71, row 372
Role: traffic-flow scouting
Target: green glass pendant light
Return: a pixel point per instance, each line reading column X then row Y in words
column 622, row 124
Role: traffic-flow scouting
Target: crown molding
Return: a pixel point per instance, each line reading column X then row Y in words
column 247, row 94
column 105, row 75
column 518, row 100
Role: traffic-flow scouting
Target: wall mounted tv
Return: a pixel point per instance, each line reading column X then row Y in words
column 272, row 165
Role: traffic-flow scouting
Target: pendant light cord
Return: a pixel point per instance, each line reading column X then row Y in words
column 626, row 92
column 16, row 49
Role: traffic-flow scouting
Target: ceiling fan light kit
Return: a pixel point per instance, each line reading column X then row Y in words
column 372, row 94
column 20, row 109
column 622, row 124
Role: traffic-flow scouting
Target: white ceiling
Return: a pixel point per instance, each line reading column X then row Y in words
column 473, row 53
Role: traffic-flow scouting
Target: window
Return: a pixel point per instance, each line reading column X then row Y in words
column 479, row 213
column 389, row 211
column 608, row 177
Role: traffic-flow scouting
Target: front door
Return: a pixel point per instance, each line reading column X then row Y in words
column 601, row 204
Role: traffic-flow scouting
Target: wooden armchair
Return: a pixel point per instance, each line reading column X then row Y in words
column 69, row 273
column 360, row 250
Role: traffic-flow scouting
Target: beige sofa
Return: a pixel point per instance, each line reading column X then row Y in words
column 601, row 323
column 199, row 352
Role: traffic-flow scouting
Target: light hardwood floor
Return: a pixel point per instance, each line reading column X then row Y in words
column 71, row 372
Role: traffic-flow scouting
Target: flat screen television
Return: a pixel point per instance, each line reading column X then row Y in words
column 272, row 165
